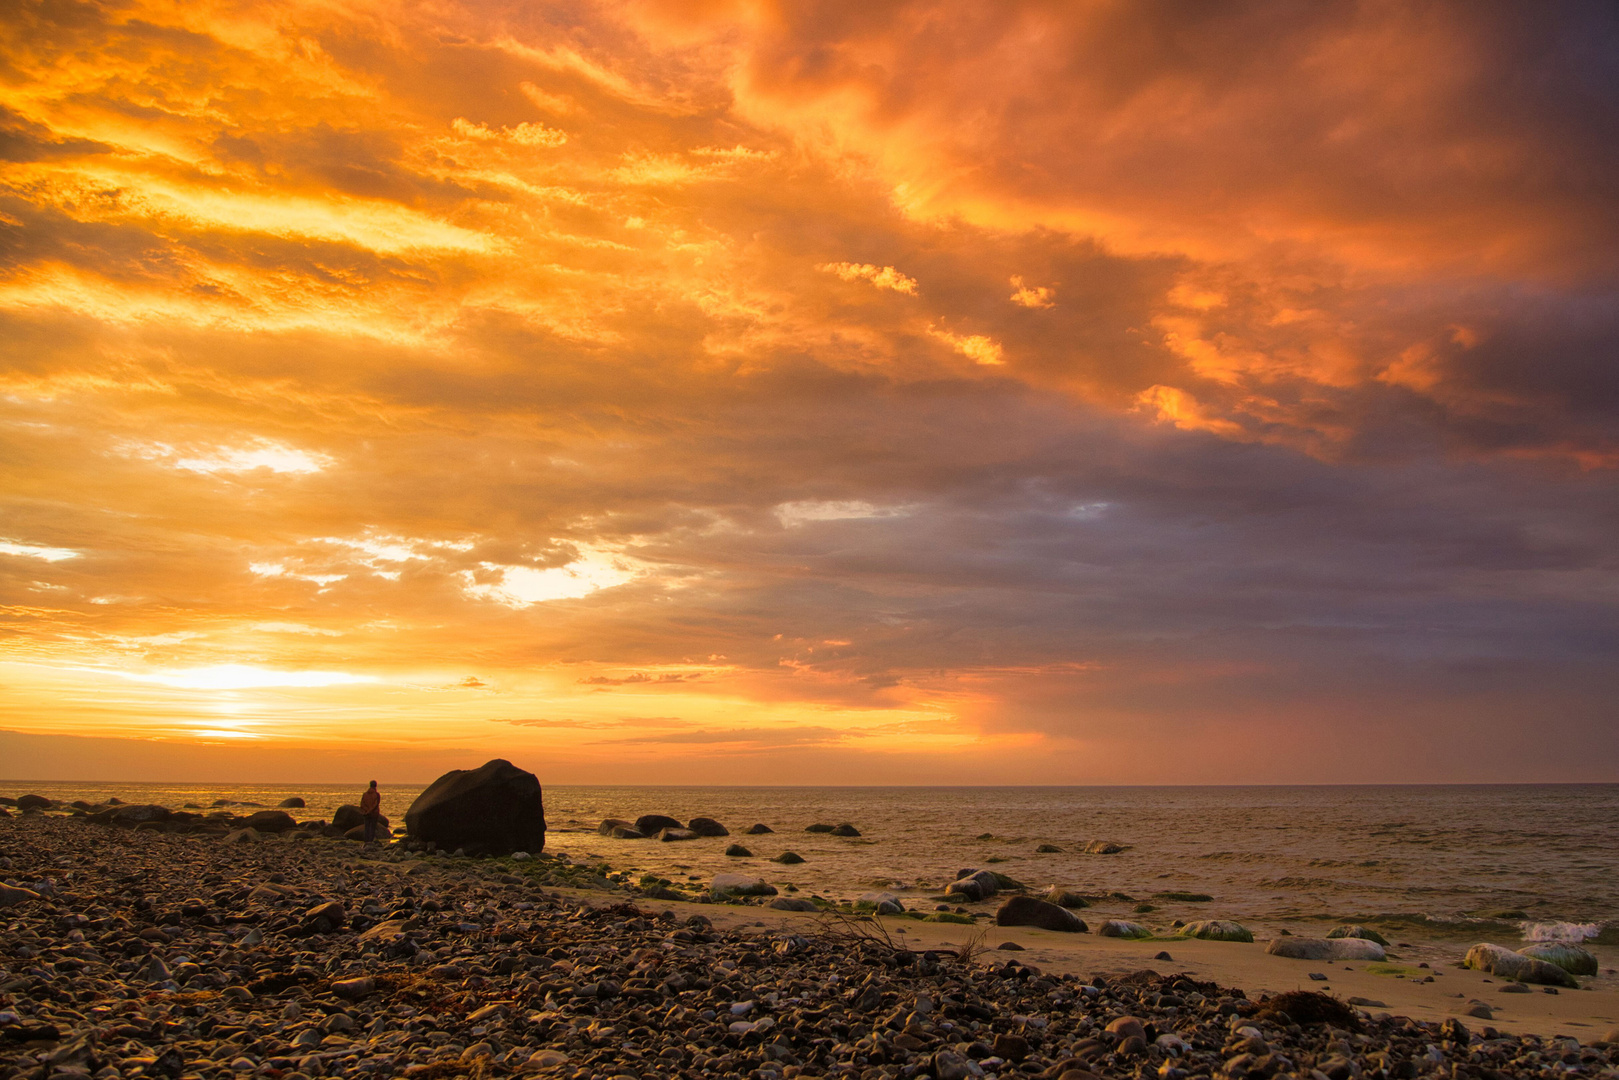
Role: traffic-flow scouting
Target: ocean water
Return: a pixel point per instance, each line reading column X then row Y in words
column 1418, row 860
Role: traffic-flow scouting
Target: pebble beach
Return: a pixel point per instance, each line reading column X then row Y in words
column 147, row 952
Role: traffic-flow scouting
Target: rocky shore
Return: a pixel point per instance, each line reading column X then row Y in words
column 144, row 953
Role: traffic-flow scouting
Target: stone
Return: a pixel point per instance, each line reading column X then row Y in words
column 1305, row 948
column 670, row 835
column 1358, row 931
column 791, row 903
column 291, row 803
column 788, row 858
column 737, row 851
column 1103, row 847
column 1027, row 911
column 331, row 914
column 1010, row 946
column 1048, row 849
column 1507, row 964
column 845, row 829
column 1127, row 1027
column 12, row 895
column 729, row 885
column 242, row 836
column 491, row 810
column 606, row 827
column 273, row 821
column 653, row 824
column 1121, row 928
column 759, row 829
column 354, row 989
column 1063, row 898
column 707, row 826
column 131, row 816
column 34, row 802
column 881, row 902
column 1216, row 930
column 949, row 1065
column 1571, row 958
column 347, row 817
column 819, row 828
column 1480, row 1010
column 626, row 832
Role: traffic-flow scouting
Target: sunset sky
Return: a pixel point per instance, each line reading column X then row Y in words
column 942, row 392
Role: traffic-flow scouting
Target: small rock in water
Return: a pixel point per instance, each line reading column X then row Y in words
column 1103, row 847
column 1027, row 911
column 845, row 829
column 759, row 829
column 1064, row 898
column 737, row 851
column 1048, row 849
column 819, row 828
column 1010, row 946
column 1163, row 956
column 788, row 858
column 1119, row 928
column 707, row 826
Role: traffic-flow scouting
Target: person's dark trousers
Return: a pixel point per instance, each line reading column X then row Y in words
column 370, row 827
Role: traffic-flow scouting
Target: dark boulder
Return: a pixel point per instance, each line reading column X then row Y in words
column 608, row 825
column 845, row 829
column 653, row 824
column 707, row 826
column 491, row 810
column 347, row 816
column 667, row 835
column 788, row 858
column 1027, row 911
column 292, row 803
column 34, row 802
column 759, row 830
column 820, row 827
column 737, row 851
column 131, row 816
column 626, row 832
column 275, row 821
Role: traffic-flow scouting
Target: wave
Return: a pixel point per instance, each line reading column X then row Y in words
column 1561, row 931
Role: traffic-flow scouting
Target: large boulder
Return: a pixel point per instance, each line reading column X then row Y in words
column 495, row 809
column 1506, row 964
column 1123, row 928
column 729, row 885
column 707, row 826
column 653, row 824
column 608, row 825
column 34, row 802
column 974, row 885
column 1027, row 911
column 276, row 821
column 671, row 835
column 1357, row 931
column 347, row 817
column 626, row 832
column 1571, row 958
column 291, row 803
column 1308, row 948
column 1103, row 847
column 1216, row 930
column 1064, row 898
column 758, row 829
column 131, row 816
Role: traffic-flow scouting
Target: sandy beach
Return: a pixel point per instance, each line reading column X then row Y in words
column 150, row 953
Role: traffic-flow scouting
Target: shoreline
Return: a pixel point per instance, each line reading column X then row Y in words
column 254, row 966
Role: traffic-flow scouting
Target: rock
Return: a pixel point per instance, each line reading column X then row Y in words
column 1127, row 1027
column 1216, row 930
column 790, row 903
column 653, row 824
column 949, row 1065
column 12, row 895
column 545, row 1059
column 291, row 803
column 788, row 858
column 1027, row 911
column 670, row 835
column 1010, row 1047
column 1357, row 931
column 729, row 885
column 347, row 817
column 976, row 884
column 242, row 836
column 1010, row 946
column 1103, row 847
column 131, row 816
column 707, row 826
column 845, row 829
column 1048, row 849
column 494, row 809
column 819, row 828
column 1304, row 948
column 759, row 829
column 606, row 827
column 154, row 971
column 354, row 989
column 625, row 832
column 358, row 832
column 737, row 851
column 1480, row 1010
column 1120, row 928
column 1571, row 958
column 883, row 903
column 1510, row 965
column 1163, row 956
column 274, row 821
column 34, row 802
column 331, row 914
column 1063, row 898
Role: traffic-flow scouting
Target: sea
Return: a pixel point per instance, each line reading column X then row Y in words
column 1539, row 861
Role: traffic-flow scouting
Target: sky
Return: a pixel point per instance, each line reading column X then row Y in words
column 816, row 393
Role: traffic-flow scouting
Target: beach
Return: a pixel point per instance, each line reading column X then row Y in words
column 148, row 952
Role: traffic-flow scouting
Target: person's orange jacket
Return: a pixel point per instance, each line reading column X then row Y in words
column 371, row 801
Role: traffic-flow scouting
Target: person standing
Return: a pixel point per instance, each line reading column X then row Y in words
column 371, row 810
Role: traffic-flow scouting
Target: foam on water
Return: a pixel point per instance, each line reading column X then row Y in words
column 1561, row 931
